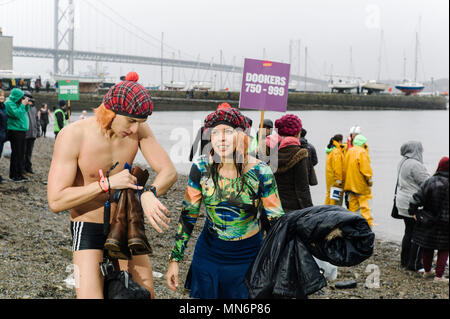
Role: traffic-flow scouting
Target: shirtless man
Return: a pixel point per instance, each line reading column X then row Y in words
column 115, row 134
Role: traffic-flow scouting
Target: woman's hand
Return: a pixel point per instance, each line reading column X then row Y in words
column 172, row 276
column 156, row 212
column 124, row 180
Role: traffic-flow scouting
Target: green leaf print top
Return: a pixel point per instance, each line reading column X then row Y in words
column 231, row 211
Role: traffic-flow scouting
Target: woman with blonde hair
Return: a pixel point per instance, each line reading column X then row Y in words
column 233, row 186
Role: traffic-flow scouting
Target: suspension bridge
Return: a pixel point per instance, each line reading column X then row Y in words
column 73, row 30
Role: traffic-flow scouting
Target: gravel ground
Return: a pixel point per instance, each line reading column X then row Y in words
column 36, row 257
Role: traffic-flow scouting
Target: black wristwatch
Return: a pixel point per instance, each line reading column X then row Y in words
column 152, row 189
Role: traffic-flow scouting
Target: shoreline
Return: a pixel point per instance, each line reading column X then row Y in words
column 176, row 101
column 36, row 257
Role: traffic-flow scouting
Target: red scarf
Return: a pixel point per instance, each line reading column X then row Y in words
column 283, row 141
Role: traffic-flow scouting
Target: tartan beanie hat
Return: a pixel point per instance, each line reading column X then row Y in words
column 129, row 99
column 231, row 117
column 289, row 125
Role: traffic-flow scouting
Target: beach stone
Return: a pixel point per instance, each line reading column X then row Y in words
column 36, row 247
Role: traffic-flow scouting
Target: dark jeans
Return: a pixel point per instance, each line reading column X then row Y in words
column 1, row 151
column 17, row 139
column 411, row 256
column 1, row 148
column 29, row 145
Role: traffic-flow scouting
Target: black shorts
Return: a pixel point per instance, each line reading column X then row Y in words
column 86, row 236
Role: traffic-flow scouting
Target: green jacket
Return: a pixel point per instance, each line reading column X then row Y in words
column 56, row 127
column 17, row 112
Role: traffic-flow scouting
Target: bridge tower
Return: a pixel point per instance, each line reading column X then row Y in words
column 63, row 36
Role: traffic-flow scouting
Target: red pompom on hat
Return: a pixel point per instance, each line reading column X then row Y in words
column 231, row 117
column 443, row 165
column 288, row 125
column 132, row 76
column 224, row 106
column 129, row 99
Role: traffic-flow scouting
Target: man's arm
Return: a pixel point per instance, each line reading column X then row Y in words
column 61, row 193
column 160, row 162
column 313, row 154
column 365, row 168
column 16, row 111
column 158, row 159
column 60, row 119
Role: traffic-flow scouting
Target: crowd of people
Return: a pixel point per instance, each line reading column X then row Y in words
column 21, row 123
column 349, row 176
column 422, row 202
column 244, row 189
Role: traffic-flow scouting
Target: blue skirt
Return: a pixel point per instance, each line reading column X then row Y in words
column 218, row 267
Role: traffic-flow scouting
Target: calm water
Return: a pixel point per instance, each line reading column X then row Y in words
column 386, row 131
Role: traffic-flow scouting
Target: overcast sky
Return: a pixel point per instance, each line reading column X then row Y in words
column 244, row 28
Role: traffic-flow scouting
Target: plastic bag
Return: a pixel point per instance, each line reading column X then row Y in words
column 6, row 150
column 330, row 271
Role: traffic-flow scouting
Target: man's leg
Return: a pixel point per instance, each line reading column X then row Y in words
column 365, row 208
column 427, row 259
column 28, row 154
column 21, row 144
column 353, row 203
column 12, row 136
column 441, row 262
column 140, row 269
column 406, row 241
column 88, row 277
column 360, row 204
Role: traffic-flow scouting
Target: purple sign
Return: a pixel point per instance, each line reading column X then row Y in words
column 265, row 86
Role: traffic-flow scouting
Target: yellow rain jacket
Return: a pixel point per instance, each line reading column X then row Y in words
column 357, row 170
column 334, row 166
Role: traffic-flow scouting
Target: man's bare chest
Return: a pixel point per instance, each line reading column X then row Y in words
column 96, row 154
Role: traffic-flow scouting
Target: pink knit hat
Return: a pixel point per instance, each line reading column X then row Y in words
column 288, row 125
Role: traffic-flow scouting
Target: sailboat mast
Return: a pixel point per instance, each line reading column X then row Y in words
column 404, row 65
column 351, row 62
column 417, row 57
column 299, row 61
column 379, row 57
column 173, row 66
column 162, row 56
column 306, row 65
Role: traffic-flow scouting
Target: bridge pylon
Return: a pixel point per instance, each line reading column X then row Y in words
column 63, row 36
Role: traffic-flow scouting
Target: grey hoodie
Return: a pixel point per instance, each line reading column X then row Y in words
column 412, row 174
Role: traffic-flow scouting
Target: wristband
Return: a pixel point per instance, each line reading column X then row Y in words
column 151, row 189
column 103, row 182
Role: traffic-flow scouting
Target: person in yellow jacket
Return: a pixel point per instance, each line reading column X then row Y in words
column 334, row 167
column 354, row 132
column 358, row 178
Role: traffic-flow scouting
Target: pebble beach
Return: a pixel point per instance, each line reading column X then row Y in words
column 36, row 256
